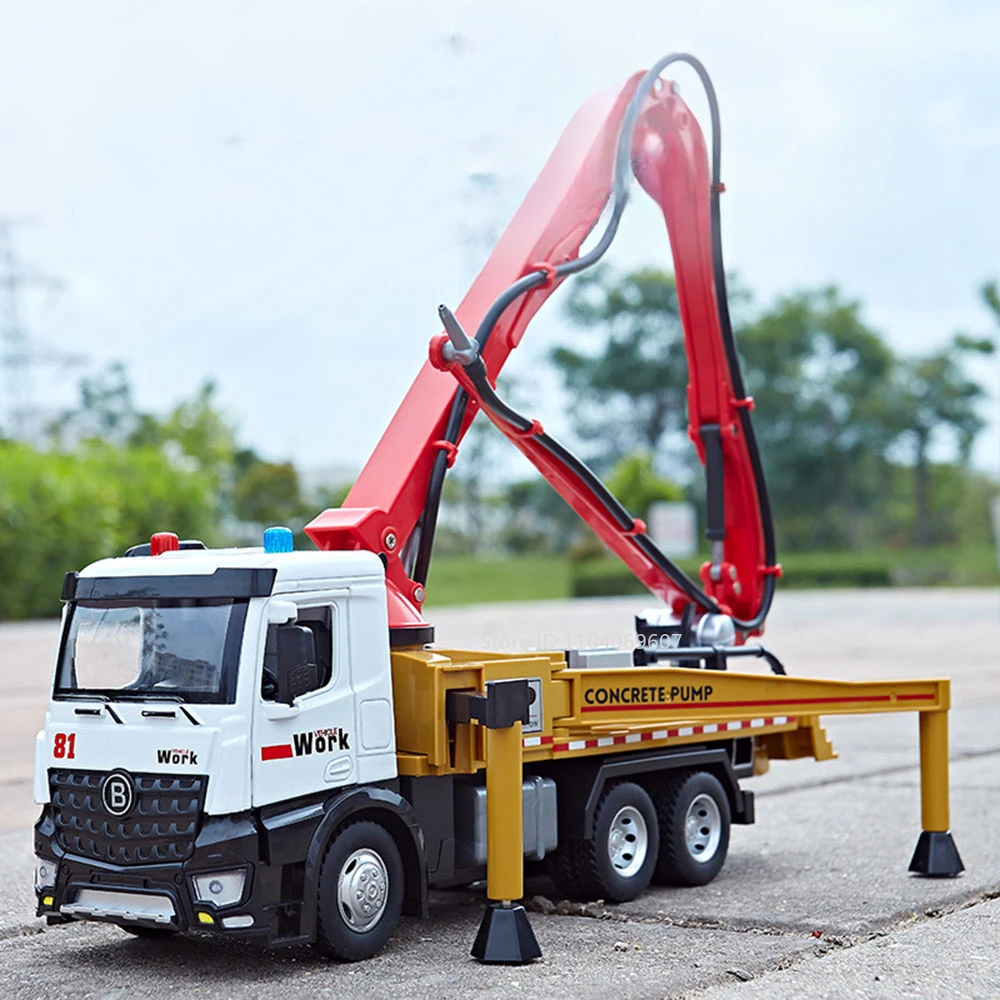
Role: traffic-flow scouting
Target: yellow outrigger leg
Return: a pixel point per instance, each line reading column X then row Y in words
column 505, row 936
column 935, row 854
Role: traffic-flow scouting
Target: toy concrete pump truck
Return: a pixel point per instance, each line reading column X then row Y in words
column 265, row 743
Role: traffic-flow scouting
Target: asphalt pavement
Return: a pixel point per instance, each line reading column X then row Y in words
column 814, row 900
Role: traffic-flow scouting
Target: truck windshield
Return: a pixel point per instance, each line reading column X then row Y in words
column 184, row 650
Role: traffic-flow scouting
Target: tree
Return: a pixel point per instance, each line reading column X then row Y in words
column 60, row 511
column 936, row 394
column 269, row 493
column 538, row 519
column 199, row 430
column 471, row 492
column 634, row 482
column 629, row 392
column 818, row 372
column 832, row 398
column 465, row 487
column 990, row 294
column 105, row 410
column 820, row 378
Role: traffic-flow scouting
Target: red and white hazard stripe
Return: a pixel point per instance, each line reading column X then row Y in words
column 654, row 734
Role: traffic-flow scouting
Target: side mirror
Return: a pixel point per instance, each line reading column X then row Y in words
column 281, row 612
column 298, row 671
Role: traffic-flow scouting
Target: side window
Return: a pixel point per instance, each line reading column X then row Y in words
column 319, row 621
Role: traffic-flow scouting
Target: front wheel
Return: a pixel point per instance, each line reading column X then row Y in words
column 693, row 810
column 360, row 892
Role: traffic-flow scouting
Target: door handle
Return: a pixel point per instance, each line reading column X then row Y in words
column 277, row 710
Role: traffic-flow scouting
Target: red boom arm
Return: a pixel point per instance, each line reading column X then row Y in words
column 384, row 506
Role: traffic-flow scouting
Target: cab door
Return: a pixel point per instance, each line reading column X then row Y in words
column 310, row 745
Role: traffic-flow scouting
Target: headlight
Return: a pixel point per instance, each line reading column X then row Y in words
column 45, row 873
column 220, row 888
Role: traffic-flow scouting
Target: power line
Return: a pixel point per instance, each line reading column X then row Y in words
column 21, row 354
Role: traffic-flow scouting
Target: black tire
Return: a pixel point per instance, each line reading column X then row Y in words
column 361, row 855
column 697, row 796
column 594, row 869
column 149, row 933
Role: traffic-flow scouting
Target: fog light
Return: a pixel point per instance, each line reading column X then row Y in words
column 45, row 873
column 240, row 920
column 220, row 888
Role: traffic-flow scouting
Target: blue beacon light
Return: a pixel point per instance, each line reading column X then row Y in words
column 278, row 540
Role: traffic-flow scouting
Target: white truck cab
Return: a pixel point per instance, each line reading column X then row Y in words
column 206, row 705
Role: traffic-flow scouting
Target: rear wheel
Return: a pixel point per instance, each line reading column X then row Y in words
column 618, row 862
column 694, row 815
column 360, row 892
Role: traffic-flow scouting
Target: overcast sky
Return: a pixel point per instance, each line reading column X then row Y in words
column 278, row 195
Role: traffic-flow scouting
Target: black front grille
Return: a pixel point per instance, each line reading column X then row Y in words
column 160, row 828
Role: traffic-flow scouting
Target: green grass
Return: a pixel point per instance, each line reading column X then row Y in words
column 464, row 580
column 971, row 566
column 974, row 566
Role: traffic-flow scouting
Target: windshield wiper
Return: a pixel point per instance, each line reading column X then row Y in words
column 83, row 696
column 148, row 696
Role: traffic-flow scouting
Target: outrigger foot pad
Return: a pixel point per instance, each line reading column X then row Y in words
column 936, row 855
column 505, row 937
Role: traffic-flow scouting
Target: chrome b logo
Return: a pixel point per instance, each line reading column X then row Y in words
column 118, row 793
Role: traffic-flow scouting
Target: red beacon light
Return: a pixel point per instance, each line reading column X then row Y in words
column 163, row 541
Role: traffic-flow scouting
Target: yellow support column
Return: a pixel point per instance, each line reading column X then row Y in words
column 934, row 771
column 935, row 853
column 504, row 815
column 505, row 935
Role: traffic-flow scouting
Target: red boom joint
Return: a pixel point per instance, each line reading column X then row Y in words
column 533, row 431
column 435, row 353
column 549, row 270
column 449, row 448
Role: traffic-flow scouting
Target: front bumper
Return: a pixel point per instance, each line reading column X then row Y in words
column 163, row 896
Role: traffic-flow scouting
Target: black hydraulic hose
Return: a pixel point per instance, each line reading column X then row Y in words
column 612, row 506
column 732, row 357
column 619, row 199
column 709, row 653
column 428, row 520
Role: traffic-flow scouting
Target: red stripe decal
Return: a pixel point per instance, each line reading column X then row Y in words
column 645, row 737
column 279, row 751
column 754, row 704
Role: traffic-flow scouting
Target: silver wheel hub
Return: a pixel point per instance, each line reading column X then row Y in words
column 628, row 841
column 703, row 828
column 363, row 890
